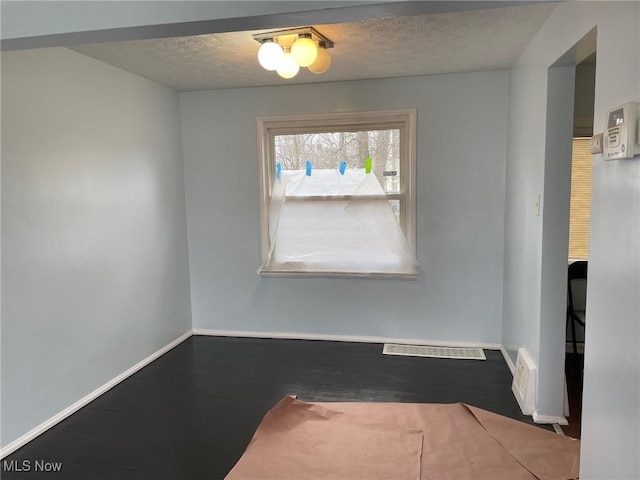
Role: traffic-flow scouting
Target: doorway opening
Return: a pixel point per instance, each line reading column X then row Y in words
column 579, row 220
column 563, row 89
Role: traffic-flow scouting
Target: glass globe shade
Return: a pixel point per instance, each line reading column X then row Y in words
column 270, row 55
column 322, row 63
column 304, row 51
column 287, row 68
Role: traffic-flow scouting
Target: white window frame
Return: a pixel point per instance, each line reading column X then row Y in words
column 403, row 119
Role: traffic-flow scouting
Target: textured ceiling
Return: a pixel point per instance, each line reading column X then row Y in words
column 376, row 48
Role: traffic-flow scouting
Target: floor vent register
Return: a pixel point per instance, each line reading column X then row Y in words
column 462, row 353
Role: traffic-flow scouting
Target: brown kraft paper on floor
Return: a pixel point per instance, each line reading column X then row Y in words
column 547, row 455
column 459, row 442
column 298, row 440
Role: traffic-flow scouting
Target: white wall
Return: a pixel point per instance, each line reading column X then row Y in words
column 94, row 247
column 611, row 423
column 462, row 123
column 555, row 239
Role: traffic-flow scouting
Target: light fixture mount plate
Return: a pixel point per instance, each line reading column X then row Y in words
column 293, row 33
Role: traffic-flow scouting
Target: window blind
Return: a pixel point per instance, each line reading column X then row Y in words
column 580, row 208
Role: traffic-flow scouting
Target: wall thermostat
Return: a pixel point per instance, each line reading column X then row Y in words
column 621, row 135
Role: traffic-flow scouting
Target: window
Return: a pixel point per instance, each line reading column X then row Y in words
column 337, row 194
column 580, row 200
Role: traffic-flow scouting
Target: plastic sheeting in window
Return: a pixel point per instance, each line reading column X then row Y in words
column 333, row 223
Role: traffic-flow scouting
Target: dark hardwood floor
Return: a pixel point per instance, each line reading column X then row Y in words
column 191, row 413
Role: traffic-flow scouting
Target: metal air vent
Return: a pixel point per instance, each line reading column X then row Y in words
column 434, row 352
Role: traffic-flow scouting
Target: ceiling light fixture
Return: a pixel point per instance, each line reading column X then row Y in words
column 270, row 55
column 287, row 68
column 285, row 51
column 304, row 50
column 322, row 61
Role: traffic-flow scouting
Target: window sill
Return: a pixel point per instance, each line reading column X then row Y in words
column 274, row 272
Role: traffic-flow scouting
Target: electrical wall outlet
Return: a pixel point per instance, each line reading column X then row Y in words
column 596, row 144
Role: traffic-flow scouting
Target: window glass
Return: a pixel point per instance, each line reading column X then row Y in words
column 328, row 150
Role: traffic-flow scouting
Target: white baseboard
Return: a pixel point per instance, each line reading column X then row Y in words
column 560, row 420
column 507, row 359
column 40, row 429
column 342, row 338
